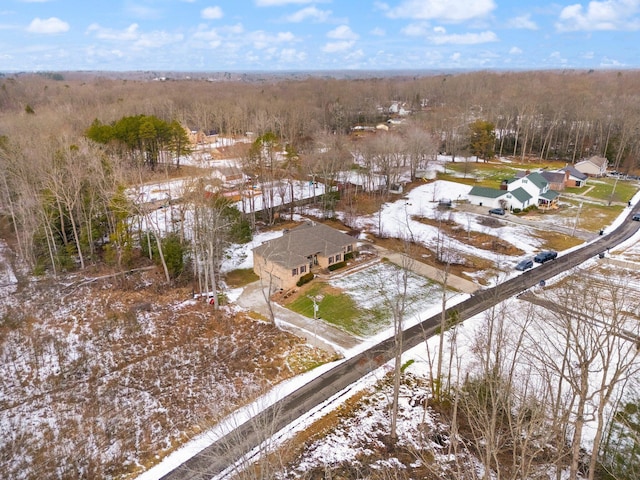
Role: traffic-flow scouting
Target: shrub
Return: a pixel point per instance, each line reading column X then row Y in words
column 336, row 266
column 305, row 279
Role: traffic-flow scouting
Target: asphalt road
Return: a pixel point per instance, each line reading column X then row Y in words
column 224, row 452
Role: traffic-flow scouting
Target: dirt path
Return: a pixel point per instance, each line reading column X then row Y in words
column 424, row 270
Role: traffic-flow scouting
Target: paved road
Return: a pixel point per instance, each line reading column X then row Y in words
column 224, row 452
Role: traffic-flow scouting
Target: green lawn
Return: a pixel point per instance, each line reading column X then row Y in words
column 359, row 303
column 608, row 190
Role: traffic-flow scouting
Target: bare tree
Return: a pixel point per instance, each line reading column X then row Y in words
column 590, row 345
column 394, row 292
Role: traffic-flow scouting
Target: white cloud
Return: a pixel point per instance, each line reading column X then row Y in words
column 378, row 32
column 128, row 34
column 277, row 3
column 136, row 38
column 144, row 12
column 211, row 13
column 341, row 46
column 343, row 32
column 523, row 22
column 446, row 11
column 463, row 39
column 49, row 25
column 291, row 55
column 311, row 13
column 261, row 39
column 605, row 15
column 157, row 39
column 515, row 51
column 416, row 29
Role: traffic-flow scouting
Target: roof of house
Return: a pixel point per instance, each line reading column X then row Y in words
column 538, row 180
column 521, row 194
column 295, row 246
column 228, row 170
column 487, row 192
column 553, row 177
column 596, row 160
column 574, row 172
column 549, row 195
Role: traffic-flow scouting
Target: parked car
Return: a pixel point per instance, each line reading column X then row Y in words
column 497, row 211
column 636, row 217
column 545, row 256
column 524, row 264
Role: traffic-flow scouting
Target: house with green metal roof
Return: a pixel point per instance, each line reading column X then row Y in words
column 516, row 192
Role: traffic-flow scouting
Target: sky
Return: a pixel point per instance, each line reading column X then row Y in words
column 303, row 35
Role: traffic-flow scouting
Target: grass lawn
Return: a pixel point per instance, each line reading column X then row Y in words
column 336, row 307
column 608, row 190
column 491, row 174
column 359, row 303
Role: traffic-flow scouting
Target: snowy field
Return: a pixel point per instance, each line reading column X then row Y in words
column 395, row 219
column 344, row 444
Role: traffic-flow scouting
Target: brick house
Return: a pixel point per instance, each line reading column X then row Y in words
column 282, row 261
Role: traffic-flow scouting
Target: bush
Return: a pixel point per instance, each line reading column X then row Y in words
column 336, row 266
column 349, row 256
column 173, row 252
column 305, row 279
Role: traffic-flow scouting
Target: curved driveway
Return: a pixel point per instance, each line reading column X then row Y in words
column 224, row 452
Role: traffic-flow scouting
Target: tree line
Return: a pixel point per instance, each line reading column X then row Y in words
column 71, row 146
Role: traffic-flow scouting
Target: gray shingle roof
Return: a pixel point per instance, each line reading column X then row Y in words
column 574, row 172
column 553, row 177
column 295, row 246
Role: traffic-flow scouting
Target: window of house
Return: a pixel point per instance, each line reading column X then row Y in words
column 348, row 248
column 337, row 257
column 303, row 268
column 330, row 260
column 294, row 272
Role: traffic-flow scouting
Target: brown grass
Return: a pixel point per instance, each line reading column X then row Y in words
column 477, row 239
column 150, row 368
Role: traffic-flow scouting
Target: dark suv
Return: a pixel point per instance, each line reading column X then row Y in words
column 545, row 256
column 524, row 264
column 496, row 211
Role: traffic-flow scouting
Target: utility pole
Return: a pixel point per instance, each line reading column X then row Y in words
column 575, row 223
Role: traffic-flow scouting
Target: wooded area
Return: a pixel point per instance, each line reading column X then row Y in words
column 70, row 146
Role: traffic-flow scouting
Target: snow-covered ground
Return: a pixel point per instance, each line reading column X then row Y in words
column 396, row 219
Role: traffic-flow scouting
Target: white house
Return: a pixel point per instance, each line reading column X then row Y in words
column 520, row 193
